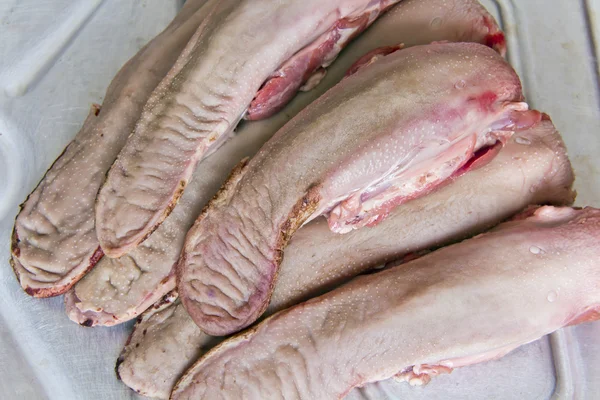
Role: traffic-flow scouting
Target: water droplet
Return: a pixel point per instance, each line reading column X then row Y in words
column 523, row 141
column 552, row 296
column 536, row 250
column 436, row 22
column 460, row 84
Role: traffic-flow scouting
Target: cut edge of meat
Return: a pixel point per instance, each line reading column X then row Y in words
column 305, row 69
column 548, row 217
column 369, row 205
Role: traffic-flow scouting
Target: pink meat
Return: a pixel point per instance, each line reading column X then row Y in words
column 464, row 304
column 307, row 66
column 532, row 168
column 54, row 240
column 196, row 107
column 116, row 290
column 389, row 133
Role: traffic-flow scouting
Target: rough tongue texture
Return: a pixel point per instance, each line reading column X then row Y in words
column 454, row 307
column 317, row 261
column 350, row 138
column 54, row 238
column 198, row 104
column 157, row 255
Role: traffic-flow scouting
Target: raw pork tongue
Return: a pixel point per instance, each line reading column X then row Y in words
column 461, row 305
column 119, row 289
column 54, row 239
column 389, row 133
column 533, row 168
column 196, row 107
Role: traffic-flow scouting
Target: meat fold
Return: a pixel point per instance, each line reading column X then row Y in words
column 306, row 68
column 531, row 169
column 458, row 306
column 119, row 289
column 391, row 132
column 54, row 239
column 196, row 107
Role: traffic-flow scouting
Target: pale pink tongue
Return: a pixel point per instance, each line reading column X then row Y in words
column 286, row 81
column 370, row 208
column 495, row 39
column 308, row 64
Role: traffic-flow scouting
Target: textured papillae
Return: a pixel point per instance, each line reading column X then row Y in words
column 196, row 107
column 391, row 132
column 461, row 305
column 54, row 239
column 117, row 290
column 532, row 168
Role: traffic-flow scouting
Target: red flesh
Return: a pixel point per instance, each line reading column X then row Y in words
column 479, row 159
column 278, row 90
column 496, row 38
column 289, row 78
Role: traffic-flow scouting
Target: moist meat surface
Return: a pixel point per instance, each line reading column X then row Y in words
column 54, row 238
column 454, row 307
column 318, row 260
column 196, row 107
column 119, row 289
column 387, row 134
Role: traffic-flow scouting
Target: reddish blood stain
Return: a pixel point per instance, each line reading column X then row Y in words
column 496, row 40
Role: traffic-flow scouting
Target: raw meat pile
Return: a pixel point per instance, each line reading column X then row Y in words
column 406, row 216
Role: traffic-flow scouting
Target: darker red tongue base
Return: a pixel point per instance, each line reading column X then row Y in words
column 481, row 157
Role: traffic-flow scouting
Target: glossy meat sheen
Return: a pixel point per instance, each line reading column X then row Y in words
column 458, row 306
column 54, row 238
column 307, row 67
column 534, row 171
column 119, row 289
column 402, row 126
column 196, row 107
column 411, row 18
